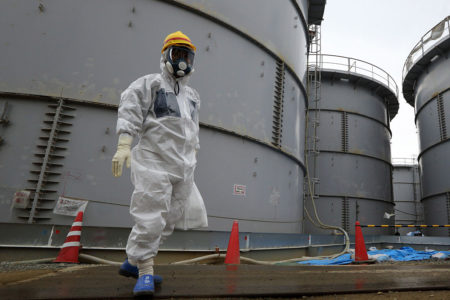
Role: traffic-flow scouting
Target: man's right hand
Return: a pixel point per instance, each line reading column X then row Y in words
column 123, row 154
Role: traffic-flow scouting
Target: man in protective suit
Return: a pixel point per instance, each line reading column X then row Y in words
column 162, row 111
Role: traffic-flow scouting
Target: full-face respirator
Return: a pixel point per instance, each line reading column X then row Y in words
column 179, row 60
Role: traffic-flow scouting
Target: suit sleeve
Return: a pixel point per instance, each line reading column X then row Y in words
column 134, row 104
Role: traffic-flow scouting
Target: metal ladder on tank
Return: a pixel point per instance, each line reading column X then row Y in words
column 314, row 95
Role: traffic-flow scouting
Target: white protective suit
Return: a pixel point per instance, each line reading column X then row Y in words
column 163, row 161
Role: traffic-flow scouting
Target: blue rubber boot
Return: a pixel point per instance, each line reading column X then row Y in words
column 128, row 270
column 145, row 286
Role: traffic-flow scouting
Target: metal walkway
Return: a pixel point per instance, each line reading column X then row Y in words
column 103, row 282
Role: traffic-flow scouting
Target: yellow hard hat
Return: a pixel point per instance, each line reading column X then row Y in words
column 177, row 38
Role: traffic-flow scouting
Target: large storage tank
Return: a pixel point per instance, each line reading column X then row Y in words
column 350, row 166
column 426, row 86
column 406, row 185
column 65, row 64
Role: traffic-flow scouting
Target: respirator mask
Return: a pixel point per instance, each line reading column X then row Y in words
column 179, row 60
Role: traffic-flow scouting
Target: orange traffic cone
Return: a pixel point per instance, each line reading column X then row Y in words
column 360, row 246
column 71, row 247
column 233, row 256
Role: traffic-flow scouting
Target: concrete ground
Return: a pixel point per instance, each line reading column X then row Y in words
column 415, row 295
column 236, row 281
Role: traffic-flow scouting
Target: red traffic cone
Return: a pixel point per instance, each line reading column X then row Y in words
column 70, row 248
column 360, row 246
column 233, row 256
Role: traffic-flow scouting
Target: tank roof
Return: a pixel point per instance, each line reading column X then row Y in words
column 432, row 44
column 315, row 11
column 362, row 73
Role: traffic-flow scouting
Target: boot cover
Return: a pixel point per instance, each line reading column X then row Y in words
column 145, row 286
column 128, row 270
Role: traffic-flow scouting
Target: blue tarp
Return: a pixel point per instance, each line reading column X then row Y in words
column 402, row 254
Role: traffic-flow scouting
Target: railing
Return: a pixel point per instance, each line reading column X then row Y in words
column 436, row 34
column 406, row 161
column 360, row 67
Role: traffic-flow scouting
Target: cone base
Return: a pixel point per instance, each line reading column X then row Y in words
column 363, row 262
column 67, row 255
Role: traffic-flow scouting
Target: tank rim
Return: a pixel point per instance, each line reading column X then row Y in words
column 362, row 80
column 414, row 67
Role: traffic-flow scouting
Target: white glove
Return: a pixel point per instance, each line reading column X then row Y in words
column 123, row 154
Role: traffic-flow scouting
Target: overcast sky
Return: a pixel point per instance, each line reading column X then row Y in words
column 383, row 32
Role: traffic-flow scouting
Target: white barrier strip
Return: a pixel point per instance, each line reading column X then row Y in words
column 71, row 233
column 71, row 244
